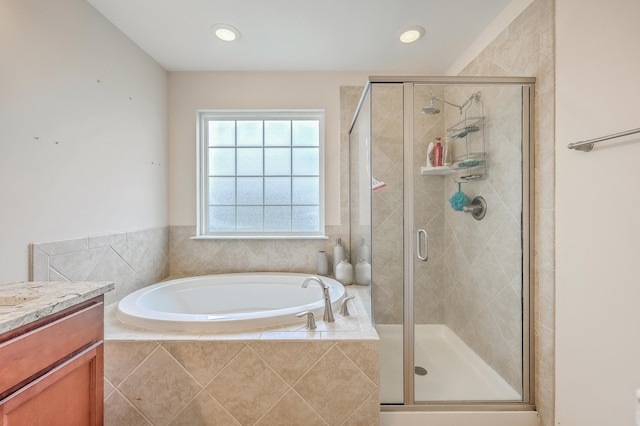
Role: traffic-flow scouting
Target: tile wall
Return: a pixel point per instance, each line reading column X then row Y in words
column 483, row 259
column 131, row 260
column 526, row 48
column 191, row 257
column 241, row 383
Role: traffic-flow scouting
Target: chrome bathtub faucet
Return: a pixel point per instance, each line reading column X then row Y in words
column 328, row 312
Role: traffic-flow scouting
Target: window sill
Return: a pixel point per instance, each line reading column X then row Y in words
column 260, row 237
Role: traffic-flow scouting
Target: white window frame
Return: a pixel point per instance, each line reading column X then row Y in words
column 202, row 166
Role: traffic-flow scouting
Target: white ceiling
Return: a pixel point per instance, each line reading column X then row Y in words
column 302, row 35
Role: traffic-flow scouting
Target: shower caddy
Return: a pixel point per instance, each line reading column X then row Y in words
column 472, row 163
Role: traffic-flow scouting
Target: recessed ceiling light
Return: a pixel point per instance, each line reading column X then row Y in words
column 411, row 34
column 225, row 32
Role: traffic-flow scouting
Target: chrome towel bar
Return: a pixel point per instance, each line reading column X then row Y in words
column 587, row 146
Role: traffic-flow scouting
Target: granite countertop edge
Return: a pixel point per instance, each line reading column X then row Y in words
column 44, row 298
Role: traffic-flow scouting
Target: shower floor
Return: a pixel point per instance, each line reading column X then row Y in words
column 454, row 371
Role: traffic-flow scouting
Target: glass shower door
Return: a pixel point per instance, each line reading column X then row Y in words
column 450, row 272
column 467, row 219
column 387, row 224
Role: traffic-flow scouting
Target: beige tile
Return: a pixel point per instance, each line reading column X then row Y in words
column 111, row 267
column 77, row 265
column 203, row 359
column 120, row 358
column 365, row 355
column 247, row 387
column 108, row 388
column 507, row 310
column 39, row 264
column 368, row 414
column 160, row 388
column 344, row 387
column 107, row 240
column 291, row 410
column 55, row 276
column 291, row 359
column 118, row 412
column 66, row 246
column 204, row 410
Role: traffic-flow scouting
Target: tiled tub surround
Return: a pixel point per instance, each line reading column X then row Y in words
column 24, row 302
column 136, row 259
column 131, row 260
column 274, row 376
column 191, row 257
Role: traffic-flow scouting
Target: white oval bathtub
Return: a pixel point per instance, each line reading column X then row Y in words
column 226, row 302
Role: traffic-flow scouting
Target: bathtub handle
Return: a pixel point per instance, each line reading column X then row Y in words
column 421, row 256
column 311, row 320
column 344, row 309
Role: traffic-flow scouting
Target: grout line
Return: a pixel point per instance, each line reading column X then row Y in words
column 139, row 364
column 116, row 390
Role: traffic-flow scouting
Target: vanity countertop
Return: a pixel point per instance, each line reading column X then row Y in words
column 25, row 302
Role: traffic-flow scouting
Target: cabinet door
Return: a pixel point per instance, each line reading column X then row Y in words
column 70, row 395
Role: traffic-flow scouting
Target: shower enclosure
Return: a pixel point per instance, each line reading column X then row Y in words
column 449, row 236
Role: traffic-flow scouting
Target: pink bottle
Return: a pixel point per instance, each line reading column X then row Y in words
column 437, row 155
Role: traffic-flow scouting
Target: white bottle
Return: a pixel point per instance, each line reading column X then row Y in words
column 363, row 273
column 338, row 254
column 344, row 272
column 363, row 250
column 430, row 156
column 322, row 266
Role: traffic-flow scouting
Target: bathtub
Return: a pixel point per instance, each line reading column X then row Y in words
column 226, row 302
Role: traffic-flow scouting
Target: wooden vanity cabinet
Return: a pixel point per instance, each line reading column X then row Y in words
column 51, row 370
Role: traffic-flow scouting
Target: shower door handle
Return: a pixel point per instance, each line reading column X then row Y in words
column 419, row 250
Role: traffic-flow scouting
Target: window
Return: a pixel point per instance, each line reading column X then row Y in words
column 260, row 174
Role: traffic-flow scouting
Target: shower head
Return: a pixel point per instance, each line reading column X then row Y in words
column 431, row 108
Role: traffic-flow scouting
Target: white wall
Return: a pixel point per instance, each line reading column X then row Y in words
column 598, row 232
column 101, row 161
column 190, row 91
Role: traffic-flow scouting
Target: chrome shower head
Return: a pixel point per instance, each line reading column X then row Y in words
column 431, row 108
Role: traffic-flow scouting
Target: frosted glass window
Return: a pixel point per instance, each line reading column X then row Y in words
column 277, row 161
column 277, row 191
column 222, row 162
column 250, row 218
column 221, row 218
column 222, row 191
column 277, row 218
column 305, row 133
column 222, row 133
column 304, row 190
column 249, row 161
column 261, row 173
column 305, row 161
column 250, row 191
column 277, row 133
column 249, row 133
column 304, row 218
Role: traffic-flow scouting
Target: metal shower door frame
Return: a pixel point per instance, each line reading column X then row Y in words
column 409, row 241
